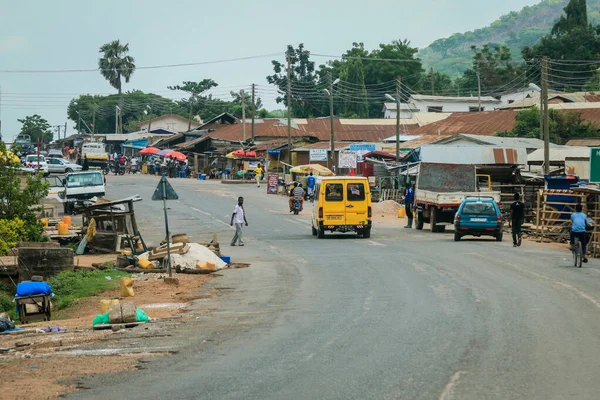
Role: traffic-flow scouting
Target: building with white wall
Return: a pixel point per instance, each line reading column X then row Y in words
column 440, row 104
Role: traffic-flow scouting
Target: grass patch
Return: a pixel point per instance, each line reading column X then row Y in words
column 69, row 286
column 7, row 305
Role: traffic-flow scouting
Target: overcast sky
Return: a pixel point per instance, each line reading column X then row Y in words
column 67, row 34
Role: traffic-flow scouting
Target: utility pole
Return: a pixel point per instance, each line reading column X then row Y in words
column 546, row 116
column 253, row 111
column 78, row 122
column 478, row 92
column 289, row 106
column 190, row 120
column 243, row 93
column 93, row 119
column 65, row 134
column 398, row 106
column 58, row 130
column 432, row 82
column 331, row 128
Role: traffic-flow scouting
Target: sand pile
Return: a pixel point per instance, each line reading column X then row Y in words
column 388, row 207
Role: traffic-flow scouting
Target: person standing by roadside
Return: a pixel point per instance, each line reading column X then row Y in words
column 409, row 199
column 238, row 218
column 86, row 164
column 517, row 214
column 310, row 184
column 259, row 173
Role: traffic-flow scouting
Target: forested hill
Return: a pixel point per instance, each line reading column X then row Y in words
column 516, row 30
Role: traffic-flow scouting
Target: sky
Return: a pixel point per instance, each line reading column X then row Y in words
column 67, row 34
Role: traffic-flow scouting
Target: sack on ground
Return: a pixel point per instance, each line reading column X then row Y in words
column 127, row 287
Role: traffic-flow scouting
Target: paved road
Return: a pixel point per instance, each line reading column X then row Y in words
column 403, row 315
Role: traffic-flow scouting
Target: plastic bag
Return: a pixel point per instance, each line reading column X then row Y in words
column 101, row 319
column 141, row 316
column 126, row 287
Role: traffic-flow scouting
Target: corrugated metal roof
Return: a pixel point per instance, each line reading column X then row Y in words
column 584, row 142
column 423, row 140
column 191, row 143
column 323, row 145
column 484, row 99
column 516, row 142
column 560, row 153
column 403, row 138
column 476, row 154
column 481, row 123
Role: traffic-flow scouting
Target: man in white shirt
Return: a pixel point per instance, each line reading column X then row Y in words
column 239, row 218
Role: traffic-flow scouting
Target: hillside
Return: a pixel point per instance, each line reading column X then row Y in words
column 517, row 29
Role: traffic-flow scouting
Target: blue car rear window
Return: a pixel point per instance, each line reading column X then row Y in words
column 479, row 209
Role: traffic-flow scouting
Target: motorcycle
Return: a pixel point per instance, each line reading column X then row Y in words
column 115, row 168
column 297, row 207
column 134, row 169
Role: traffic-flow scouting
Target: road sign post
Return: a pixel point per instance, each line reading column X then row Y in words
column 164, row 191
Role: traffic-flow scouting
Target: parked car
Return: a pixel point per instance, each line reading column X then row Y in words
column 62, row 166
column 55, row 153
column 31, row 161
column 478, row 216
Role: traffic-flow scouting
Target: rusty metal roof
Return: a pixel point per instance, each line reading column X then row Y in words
column 482, row 123
column 584, row 142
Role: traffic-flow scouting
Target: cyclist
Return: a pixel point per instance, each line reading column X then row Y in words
column 579, row 222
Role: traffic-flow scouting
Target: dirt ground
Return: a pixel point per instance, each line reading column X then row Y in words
column 31, row 363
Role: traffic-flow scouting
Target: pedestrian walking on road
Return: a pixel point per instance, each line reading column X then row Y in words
column 259, row 173
column 238, row 218
column 409, row 198
column 517, row 213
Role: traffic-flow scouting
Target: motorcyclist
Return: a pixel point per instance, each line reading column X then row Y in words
column 297, row 194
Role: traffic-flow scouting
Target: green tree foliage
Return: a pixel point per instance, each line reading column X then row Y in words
column 303, row 81
column 563, row 126
column 572, row 38
column 495, row 67
column 354, row 77
column 98, row 112
column 115, row 63
column 575, row 16
column 36, row 127
column 516, row 30
column 440, row 84
column 18, row 204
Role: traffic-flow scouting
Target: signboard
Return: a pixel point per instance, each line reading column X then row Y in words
column 361, row 149
column 347, row 159
column 273, row 184
column 252, row 164
column 595, row 165
column 317, row 155
column 168, row 193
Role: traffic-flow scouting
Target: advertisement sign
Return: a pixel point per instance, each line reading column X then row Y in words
column 273, row 184
column 317, row 155
column 347, row 159
column 595, row 165
column 361, row 149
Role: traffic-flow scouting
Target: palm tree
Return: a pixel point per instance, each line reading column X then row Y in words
column 116, row 63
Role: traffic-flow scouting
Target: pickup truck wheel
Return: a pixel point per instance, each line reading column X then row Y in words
column 419, row 224
column 68, row 170
column 433, row 219
column 456, row 237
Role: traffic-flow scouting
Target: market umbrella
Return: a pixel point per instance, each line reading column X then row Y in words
column 176, row 155
column 316, row 169
column 163, row 152
column 148, row 151
column 241, row 153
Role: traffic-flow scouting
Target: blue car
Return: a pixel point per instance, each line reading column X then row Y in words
column 478, row 216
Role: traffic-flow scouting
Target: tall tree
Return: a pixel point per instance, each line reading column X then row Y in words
column 575, row 16
column 116, row 64
column 196, row 102
column 572, row 38
column 356, row 101
column 36, row 127
column 305, row 95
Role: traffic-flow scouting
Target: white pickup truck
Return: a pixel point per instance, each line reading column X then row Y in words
column 440, row 190
column 76, row 188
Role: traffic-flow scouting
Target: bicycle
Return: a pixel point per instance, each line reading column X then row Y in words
column 577, row 253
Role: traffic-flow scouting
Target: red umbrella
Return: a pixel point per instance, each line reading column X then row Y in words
column 176, row 155
column 148, row 151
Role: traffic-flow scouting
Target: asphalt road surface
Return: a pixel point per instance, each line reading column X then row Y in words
column 404, row 315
